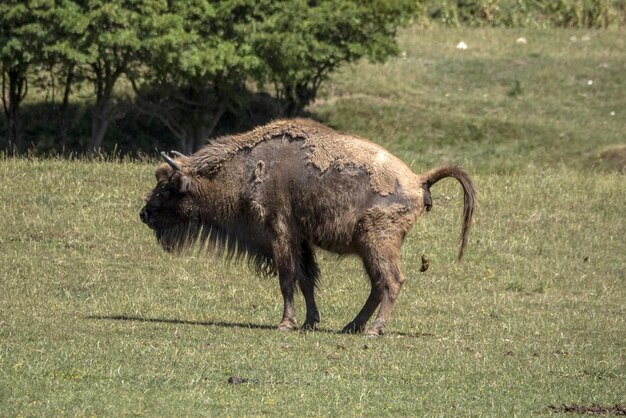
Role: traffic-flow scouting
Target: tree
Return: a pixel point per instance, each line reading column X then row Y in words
column 98, row 41
column 303, row 41
column 62, row 58
column 190, row 63
column 197, row 65
column 111, row 42
column 21, row 37
column 208, row 54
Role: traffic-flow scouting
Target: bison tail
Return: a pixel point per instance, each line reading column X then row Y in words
column 469, row 196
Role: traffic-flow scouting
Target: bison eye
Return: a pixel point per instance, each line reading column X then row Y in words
column 165, row 190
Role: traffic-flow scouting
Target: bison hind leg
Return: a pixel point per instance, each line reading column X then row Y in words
column 383, row 268
column 381, row 234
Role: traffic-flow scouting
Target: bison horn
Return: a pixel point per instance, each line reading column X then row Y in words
column 175, row 166
column 178, row 154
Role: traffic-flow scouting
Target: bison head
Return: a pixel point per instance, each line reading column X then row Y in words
column 170, row 208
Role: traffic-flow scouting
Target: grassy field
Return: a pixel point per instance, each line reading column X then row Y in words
column 95, row 320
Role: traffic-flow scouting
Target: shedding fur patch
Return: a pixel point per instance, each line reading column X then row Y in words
column 253, row 194
column 258, row 172
column 325, row 148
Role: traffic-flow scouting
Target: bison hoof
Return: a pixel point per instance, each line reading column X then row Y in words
column 287, row 325
column 308, row 326
column 353, row 328
column 311, row 321
column 377, row 329
column 375, row 332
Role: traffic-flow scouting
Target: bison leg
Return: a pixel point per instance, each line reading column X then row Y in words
column 287, row 288
column 359, row 322
column 392, row 280
column 382, row 263
column 283, row 253
column 300, row 267
column 308, row 274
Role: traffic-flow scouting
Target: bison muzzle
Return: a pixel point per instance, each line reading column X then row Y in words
column 274, row 194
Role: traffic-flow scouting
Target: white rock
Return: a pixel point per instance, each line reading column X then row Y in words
column 521, row 41
column 461, row 45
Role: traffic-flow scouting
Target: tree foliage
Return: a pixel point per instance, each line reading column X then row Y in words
column 21, row 38
column 197, row 65
column 111, row 43
column 303, row 41
column 190, row 63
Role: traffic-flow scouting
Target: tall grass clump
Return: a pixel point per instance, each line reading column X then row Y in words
column 527, row 13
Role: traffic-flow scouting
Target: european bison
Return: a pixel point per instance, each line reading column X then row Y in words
column 275, row 193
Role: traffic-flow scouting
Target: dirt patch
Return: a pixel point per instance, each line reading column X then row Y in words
column 614, row 158
column 588, row 409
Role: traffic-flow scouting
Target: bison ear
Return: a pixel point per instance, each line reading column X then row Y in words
column 181, row 182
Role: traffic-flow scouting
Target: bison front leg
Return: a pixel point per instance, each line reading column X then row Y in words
column 287, row 288
column 308, row 275
column 283, row 253
column 312, row 313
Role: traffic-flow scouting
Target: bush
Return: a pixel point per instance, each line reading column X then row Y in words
column 193, row 65
column 524, row 13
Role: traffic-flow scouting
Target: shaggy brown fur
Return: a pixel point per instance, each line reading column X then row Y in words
column 278, row 191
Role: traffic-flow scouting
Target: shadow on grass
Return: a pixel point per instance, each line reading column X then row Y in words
column 230, row 324
column 182, row 322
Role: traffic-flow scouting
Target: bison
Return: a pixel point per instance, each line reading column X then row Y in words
column 274, row 194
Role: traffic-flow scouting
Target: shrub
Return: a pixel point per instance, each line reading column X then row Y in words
column 538, row 13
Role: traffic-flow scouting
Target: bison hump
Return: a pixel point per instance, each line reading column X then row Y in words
column 325, row 148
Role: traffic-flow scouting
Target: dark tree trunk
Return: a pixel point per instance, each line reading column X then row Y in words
column 301, row 96
column 99, row 124
column 17, row 88
column 62, row 117
column 101, row 114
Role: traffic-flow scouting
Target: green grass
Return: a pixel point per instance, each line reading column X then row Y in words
column 96, row 320
column 497, row 106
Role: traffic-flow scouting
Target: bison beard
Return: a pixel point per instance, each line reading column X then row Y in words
column 184, row 236
column 273, row 194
